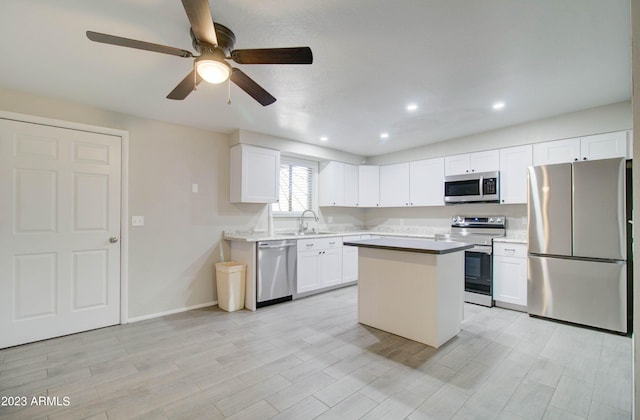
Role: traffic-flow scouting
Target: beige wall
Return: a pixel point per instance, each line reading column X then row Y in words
column 171, row 258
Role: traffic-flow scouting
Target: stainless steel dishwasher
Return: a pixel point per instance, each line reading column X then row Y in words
column 276, row 272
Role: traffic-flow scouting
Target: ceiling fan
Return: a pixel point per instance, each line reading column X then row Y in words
column 214, row 42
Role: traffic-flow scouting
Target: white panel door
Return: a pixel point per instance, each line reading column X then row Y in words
column 604, row 146
column 59, row 207
column 426, row 181
column 457, row 164
column 368, row 186
column 308, row 271
column 350, row 185
column 557, row 151
column 394, row 185
column 331, row 267
column 514, row 162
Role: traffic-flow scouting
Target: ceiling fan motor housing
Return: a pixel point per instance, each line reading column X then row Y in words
column 226, row 40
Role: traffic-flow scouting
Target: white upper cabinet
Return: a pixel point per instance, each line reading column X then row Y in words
column 350, row 185
column 368, row 186
column 394, row 185
column 426, row 182
column 338, row 184
column 599, row 146
column 486, row 161
column 331, row 191
column 254, row 174
column 513, row 173
column 557, row 151
column 604, row 146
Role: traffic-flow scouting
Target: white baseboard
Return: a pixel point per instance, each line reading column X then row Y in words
column 171, row 312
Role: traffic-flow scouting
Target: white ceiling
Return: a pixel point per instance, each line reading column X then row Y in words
column 453, row 58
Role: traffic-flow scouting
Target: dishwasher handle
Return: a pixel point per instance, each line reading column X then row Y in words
column 274, row 246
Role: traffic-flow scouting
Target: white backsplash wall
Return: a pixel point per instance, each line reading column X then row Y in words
column 438, row 219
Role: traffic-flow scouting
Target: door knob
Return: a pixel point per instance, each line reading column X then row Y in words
column 113, row 239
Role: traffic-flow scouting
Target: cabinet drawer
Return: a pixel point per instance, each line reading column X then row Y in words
column 510, row 250
column 319, row 243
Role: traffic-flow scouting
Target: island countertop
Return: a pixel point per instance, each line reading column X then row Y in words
column 424, row 246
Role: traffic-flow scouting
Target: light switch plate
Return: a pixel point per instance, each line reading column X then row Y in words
column 137, row 220
column 194, row 188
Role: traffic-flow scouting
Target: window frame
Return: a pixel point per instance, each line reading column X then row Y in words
column 313, row 165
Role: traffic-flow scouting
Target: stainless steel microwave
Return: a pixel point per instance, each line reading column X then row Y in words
column 481, row 187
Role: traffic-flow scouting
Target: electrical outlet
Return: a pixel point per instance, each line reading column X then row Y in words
column 137, row 220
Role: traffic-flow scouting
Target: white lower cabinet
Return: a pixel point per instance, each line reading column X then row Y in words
column 510, row 275
column 349, row 264
column 308, row 275
column 350, row 259
column 319, row 264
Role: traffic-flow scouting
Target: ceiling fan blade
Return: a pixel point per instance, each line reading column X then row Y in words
column 254, row 90
column 185, row 87
column 294, row 55
column 134, row 43
column 199, row 15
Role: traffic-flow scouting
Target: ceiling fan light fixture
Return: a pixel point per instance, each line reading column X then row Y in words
column 213, row 71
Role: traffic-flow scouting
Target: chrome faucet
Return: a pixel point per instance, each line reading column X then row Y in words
column 302, row 227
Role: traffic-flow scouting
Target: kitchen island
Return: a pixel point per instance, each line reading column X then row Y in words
column 413, row 288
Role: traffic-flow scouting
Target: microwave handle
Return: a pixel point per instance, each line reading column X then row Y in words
column 481, row 189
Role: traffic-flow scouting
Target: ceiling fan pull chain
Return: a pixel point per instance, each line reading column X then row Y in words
column 195, row 76
column 229, row 92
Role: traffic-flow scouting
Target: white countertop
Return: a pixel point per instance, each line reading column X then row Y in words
column 263, row 236
column 513, row 237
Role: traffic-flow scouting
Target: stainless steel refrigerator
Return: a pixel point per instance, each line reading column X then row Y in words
column 578, row 243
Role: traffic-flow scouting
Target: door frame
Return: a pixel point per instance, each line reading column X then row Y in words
column 124, row 190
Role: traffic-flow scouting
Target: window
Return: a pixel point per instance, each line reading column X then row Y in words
column 297, row 187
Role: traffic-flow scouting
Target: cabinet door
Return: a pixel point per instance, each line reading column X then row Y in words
column 350, row 185
column 349, row 264
column 254, row 174
column 514, row 162
column 368, row 186
column 510, row 280
column 604, row 146
column 558, row 151
column 457, row 164
column 308, row 271
column 331, row 184
column 331, row 267
column 488, row 161
column 426, row 182
column 394, row 185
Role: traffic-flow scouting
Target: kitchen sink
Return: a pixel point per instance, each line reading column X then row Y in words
column 301, row 233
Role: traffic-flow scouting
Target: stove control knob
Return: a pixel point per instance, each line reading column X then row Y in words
column 498, row 220
column 491, row 220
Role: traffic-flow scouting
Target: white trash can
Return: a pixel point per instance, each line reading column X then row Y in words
column 230, row 285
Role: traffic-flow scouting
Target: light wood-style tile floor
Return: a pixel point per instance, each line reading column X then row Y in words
column 311, row 359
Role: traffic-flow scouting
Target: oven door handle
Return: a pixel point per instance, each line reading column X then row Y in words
column 481, row 250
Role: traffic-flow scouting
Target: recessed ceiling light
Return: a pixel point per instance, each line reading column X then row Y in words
column 412, row 107
column 323, row 138
column 498, row 105
column 384, row 135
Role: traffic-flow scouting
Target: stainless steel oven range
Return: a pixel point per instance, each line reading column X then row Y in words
column 478, row 273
